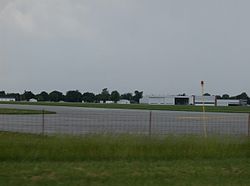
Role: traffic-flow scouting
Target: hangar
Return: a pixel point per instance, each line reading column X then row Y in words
column 167, row 100
column 191, row 100
column 179, row 100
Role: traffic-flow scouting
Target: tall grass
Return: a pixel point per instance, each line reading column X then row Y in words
column 21, row 147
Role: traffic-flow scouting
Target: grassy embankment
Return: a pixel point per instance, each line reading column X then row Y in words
column 22, row 111
column 231, row 109
column 124, row 160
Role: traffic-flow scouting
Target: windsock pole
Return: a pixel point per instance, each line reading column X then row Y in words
column 203, row 109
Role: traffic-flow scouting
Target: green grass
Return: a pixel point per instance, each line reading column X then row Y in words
column 231, row 109
column 123, row 160
column 122, row 173
column 22, row 111
column 97, row 148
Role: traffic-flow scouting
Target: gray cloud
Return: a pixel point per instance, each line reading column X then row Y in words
column 161, row 47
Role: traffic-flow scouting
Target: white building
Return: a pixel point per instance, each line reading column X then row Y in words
column 188, row 100
column 168, row 100
column 191, row 100
column 208, row 100
column 109, row 102
column 123, row 101
column 33, row 100
column 231, row 102
column 7, row 99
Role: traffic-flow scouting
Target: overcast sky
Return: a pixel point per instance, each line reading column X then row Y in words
column 160, row 46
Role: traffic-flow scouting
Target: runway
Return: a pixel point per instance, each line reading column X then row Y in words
column 77, row 120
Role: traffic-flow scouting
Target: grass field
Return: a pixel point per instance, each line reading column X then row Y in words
column 236, row 109
column 123, row 160
column 22, row 111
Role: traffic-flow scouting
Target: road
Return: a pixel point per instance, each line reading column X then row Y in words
column 77, row 120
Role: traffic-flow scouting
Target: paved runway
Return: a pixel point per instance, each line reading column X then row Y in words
column 77, row 120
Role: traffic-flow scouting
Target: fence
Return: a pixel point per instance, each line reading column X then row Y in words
column 101, row 121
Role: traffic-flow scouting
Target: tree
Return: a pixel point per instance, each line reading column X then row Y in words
column 138, row 95
column 88, row 97
column 43, row 96
column 2, row 94
column 98, row 98
column 127, row 96
column 225, row 96
column 218, row 97
column 105, row 96
column 184, row 94
column 115, row 96
column 56, row 96
column 206, row 94
column 14, row 95
column 27, row 95
column 243, row 95
column 73, row 96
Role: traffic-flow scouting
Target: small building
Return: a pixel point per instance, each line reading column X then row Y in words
column 7, row 99
column 109, row 102
column 123, row 101
column 33, row 100
column 231, row 102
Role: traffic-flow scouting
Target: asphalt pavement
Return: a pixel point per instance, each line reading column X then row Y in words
column 78, row 120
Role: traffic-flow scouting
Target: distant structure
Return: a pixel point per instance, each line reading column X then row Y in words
column 109, row 102
column 208, row 100
column 123, row 101
column 7, row 99
column 190, row 100
column 33, row 100
column 231, row 102
column 167, row 100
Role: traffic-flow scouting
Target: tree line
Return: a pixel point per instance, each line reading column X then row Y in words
column 89, row 97
column 76, row 96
